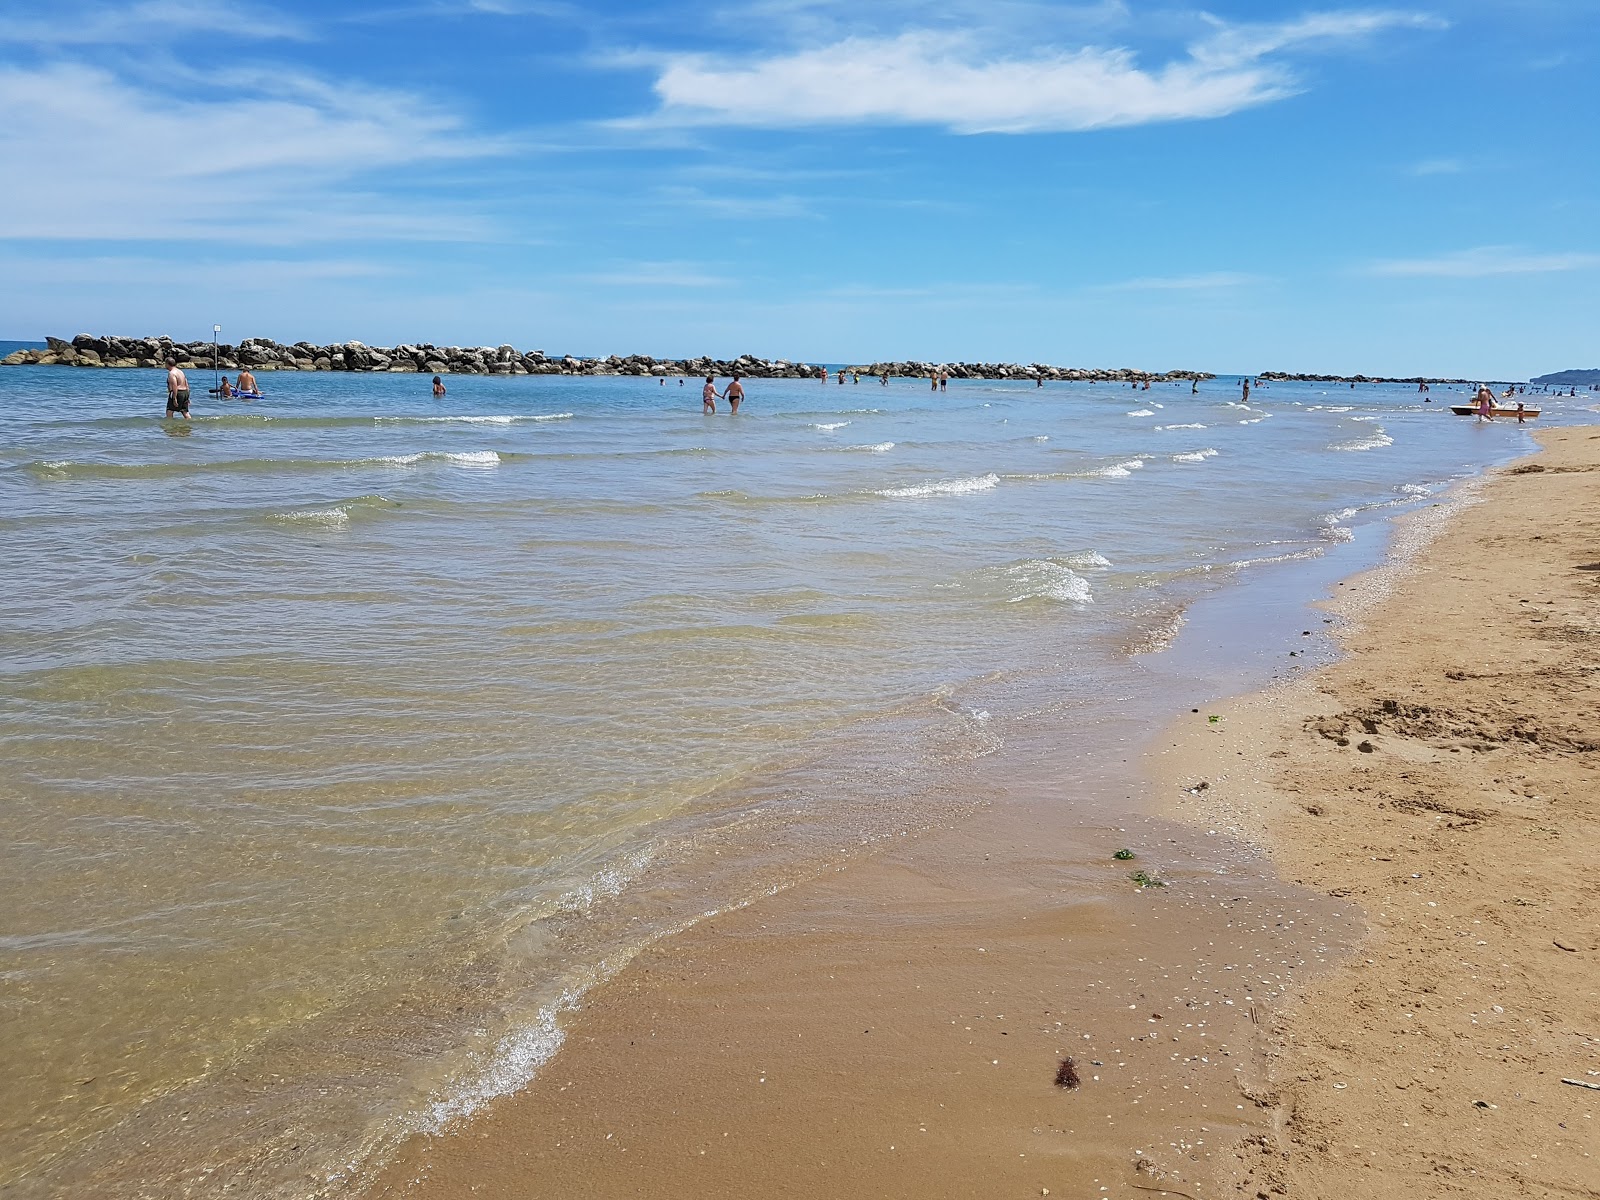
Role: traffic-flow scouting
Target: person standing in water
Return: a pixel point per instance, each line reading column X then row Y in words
column 1485, row 403
column 438, row 387
column 177, row 391
column 709, row 394
column 735, row 394
column 247, row 382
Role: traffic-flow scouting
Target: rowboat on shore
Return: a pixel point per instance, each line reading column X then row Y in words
column 1471, row 410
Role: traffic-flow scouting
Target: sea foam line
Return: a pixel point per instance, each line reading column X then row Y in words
column 1376, row 441
column 1120, row 470
column 948, row 487
column 1195, row 456
column 504, row 419
column 464, row 458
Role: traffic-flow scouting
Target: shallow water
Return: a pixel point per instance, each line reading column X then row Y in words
column 350, row 735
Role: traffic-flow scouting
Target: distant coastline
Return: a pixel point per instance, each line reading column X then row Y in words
column 261, row 354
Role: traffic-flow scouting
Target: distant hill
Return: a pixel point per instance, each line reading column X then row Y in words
column 1570, row 378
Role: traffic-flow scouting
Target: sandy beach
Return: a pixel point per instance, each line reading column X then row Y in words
column 893, row 1027
column 1442, row 775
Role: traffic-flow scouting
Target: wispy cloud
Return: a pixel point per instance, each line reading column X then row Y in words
column 958, row 80
column 277, row 156
column 657, row 275
column 1438, row 166
column 119, row 24
column 735, row 206
column 1484, row 262
column 1211, row 281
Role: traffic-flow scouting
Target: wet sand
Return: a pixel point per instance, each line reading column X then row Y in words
column 1444, row 776
column 895, row 1027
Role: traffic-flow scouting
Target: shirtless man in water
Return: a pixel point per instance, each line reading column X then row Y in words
column 177, row 391
column 735, row 394
column 246, row 381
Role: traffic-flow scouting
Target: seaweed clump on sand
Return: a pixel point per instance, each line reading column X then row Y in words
column 1067, row 1075
column 1146, row 880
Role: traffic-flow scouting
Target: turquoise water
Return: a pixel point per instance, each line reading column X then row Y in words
column 351, row 735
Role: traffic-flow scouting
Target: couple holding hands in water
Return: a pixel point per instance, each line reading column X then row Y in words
column 709, row 394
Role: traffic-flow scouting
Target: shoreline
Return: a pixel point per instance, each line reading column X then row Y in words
column 668, row 1042
column 1036, row 884
column 1439, row 773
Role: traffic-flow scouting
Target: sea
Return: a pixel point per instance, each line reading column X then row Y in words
column 351, row 736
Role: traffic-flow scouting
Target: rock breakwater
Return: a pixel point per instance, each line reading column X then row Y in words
column 1286, row 377
column 261, row 354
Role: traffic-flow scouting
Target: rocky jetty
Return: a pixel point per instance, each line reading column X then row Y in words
column 1285, row 377
column 260, row 354
column 921, row 370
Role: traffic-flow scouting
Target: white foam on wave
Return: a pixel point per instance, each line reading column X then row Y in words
column 498, row 419
column 464, row 458
column 1083, row 558
column 336, row 517
column 1415, row 489
column 1041, row 437
column 1252, row 420
column 1142, row 412
column 948, row 487
column 1160, row 428
column 1046, row 579
column 1120, row 470
column 1376, row 441
column 875, row 448
column 519, row 1054
column 829, row 425
column 1195, row 456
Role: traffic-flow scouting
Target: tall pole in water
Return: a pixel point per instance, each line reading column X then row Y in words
column 216, row 371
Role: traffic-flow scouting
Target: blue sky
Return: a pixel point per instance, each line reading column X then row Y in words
column 1240, row 187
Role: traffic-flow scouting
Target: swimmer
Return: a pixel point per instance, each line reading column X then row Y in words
column 735, row 394
column 438, row 387
column 709, row 394
column 225, row 389
column 247, row 381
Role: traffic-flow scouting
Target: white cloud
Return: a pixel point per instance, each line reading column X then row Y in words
column 151, row 19
column 97, row 156
column 957, row 80
column 1439, row 166
column 657, row 275
column 1484, row 262
column 1211, row 281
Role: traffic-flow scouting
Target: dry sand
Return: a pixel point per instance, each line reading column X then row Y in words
column 894, row 1028
column 1446, row 775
